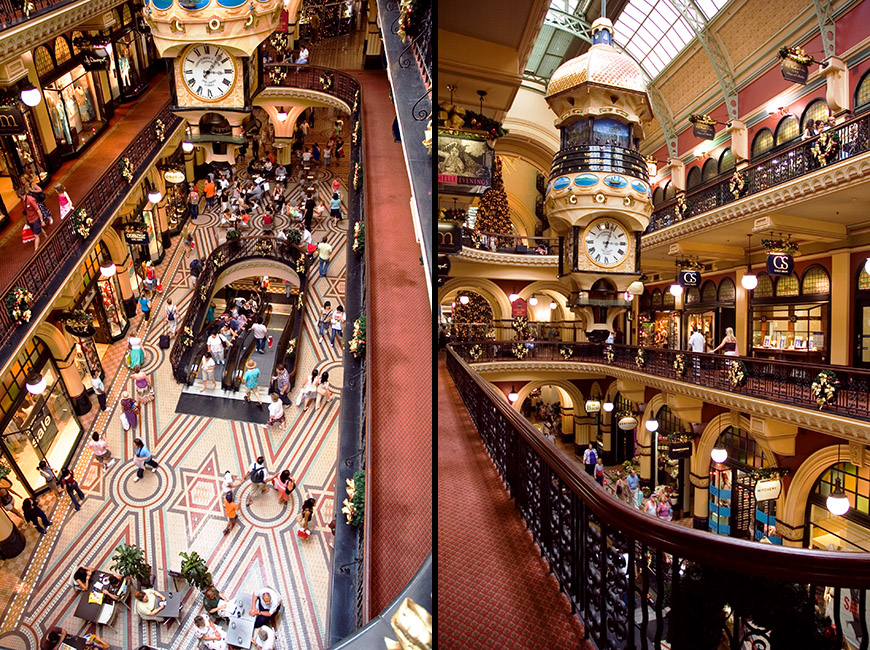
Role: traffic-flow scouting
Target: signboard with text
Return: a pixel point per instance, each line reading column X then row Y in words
column 768, row 489
column 464, row 164
column 794, row 71
column 11, row 120
column 780, row 264
column 678, row 450
column 689, row 279
column 704, row 131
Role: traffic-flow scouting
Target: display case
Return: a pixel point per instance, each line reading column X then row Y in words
column 75, row 109
column 791, row 332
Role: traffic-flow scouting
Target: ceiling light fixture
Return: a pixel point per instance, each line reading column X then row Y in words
column 282, row 114
column 513, row 396
column 749, row 281
column 30, row 95
column 837, row 502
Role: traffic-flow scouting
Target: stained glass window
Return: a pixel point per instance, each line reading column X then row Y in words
column 817, row 110
column 726, row 161
column 694, row 178
column 670, row 191
column 742, row 448
column 762, row 143
column 862, row 93
column 73, row 38
column 726, row 290
column 787, row 285
column 42, row 60
column 863, row 281
column 711, row 169
column 668, row 299
column 708, row 292
column 855, row 482
column 61, row 50
column 693, row 296
column 816, row 281
column 764, row 288
column 658, row 195
column 657, row 298
column 787, row 129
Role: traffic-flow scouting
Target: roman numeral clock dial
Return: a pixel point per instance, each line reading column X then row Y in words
column 209, row 72
column 606, row 242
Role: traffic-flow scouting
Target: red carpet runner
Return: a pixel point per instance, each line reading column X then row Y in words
column 399, row 356
column 494, row 588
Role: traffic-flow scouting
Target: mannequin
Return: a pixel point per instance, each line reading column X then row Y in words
column 72, row 109
column 124, row 64
column 83, row 99
column 59, row 123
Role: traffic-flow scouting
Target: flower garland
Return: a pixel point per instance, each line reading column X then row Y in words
column 681, row 207
column 357, row 343
column 519, row 323
column 825, row 148
column 159, row 130
column 219, row 258
column 81, row 222
column 737, row 374
column 825, row 388
column 737, row 184
column 680, row 365
column 203, row 293
column 354, row 136
column 277, row 76
column 355, row 102
column 187, row 336
column 291, row 347
column 300, row 302
column 520, row 350
column 475, row 351
column 609, row 354
column 768, row 472
column 327, row 79
column 359, row 237
column 567, row 351
column 357, row 176
column 263, row 247
column 300, row 265
column 78, row 320
column 455, row 215
column 280, row 41
column 796, row 54
column 640, row 359
column 126, row 169
column 688, row 264
column 780, row 246
column 702, row 118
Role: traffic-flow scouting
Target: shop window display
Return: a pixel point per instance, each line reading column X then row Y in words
column 21, row 153
column 129, row 68
column 850, row 532
column 73, row 108
column 800, row 328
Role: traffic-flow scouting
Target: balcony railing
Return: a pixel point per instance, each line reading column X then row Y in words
column 637, row 581
column 780, row 167
column 776, row 381
column 50, row 266
column 310, row 77
column 13, row 12
column 519, row 244
column 595, row 158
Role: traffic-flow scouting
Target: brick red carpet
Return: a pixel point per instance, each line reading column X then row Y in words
column 494, row 588
column 399, row 356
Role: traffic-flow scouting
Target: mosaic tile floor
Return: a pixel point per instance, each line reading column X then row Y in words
column 178, row 508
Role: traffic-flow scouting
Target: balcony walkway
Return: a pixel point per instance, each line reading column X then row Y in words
column 399, row 327
column 497, row 590
column 80, row 174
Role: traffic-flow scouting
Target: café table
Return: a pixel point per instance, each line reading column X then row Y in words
column 240, row 628
column 89, row 611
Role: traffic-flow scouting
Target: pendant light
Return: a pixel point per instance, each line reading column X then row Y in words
column 513, row 396
column 35, row 383
column 281, row 114
column 607, row 406
column 750, row 280
column 838, row 503
column 154, row 196
column 533, row 300
column 187, row 147
column 464, row 299
column 31, row 95
column 553, row 305
column 676, row 290
column 514, row 297
column 651, row 425
column 719, row 453
column 108, row 270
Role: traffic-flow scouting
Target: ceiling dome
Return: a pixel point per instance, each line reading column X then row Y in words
column 602, row 64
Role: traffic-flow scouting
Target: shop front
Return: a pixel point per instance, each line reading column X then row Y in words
column 790, row 317
column 74, row 102
column 36, row 427
column 847, row 532
column 670, row 461
column 175, row 201
column 710, row 309
column 130, row 56
column 141, row 231
column 21, row 153
column 659, row 322
column 621, row 440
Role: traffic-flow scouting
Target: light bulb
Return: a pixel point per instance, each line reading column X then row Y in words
column 31, row 96
column 154, row 196
column 514, row 297
column 867, row 265
column 838, row 503
column 749, row 281
column 651, row 425
column 282, row 114
column 533, row 300
column 607, row 406
column 35, row 384
column 553, row 305
column 512, row 396
column 464, row 299
column 108, row 270
column 187, row 147
column 676, row 290
column 719, row 454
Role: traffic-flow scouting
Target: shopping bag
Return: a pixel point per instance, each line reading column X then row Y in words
column 129, row 359
column 159, row 285
column 26, row 235
column 304, row 534
column 270, row 341
column 125, row 423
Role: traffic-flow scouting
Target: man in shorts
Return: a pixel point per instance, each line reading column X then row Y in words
column 252, row 381
column 101, row 451
column 257, row 474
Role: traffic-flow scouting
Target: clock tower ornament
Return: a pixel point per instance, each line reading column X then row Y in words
column 598, row 199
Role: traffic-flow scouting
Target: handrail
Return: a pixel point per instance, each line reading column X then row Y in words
column 242, row 351
column 776, row 381
column 621, row 568
column 48, row 264
column 308, row 77
column 774, row 169
column 498, row 242
column 291, row 331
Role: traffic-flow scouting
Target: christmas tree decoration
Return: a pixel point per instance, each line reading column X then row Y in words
column 493, row 213
column 474, row 319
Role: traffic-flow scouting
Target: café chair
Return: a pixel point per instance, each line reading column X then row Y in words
column 108, row 614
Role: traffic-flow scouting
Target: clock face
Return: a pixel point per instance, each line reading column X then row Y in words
column 208, row 72
column 606, row 242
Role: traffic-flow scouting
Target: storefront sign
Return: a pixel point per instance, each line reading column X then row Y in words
column 173, row 176
column 138, row 237
column 11, row 120
column 464, row 164
column 768, row 489
column 519, row 308
column 794, row 71
column 689, row 279
column 96, row 59
column 449, row 237
column 704, row 131
column 780, row 264
column 850, row 615
column 678, row 450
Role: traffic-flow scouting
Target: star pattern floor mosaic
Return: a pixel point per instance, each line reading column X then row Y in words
column 178, row 508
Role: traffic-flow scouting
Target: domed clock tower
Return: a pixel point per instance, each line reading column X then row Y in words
column 598, row 199
column 213, row 44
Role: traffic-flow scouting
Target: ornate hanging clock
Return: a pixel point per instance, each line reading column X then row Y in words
column 209, row 72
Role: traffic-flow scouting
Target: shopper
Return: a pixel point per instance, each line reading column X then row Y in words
column 309, row 391
column 276, row 412
column 264, row 638
column 252, row 380
column 48, row 476
column 33, row 514
column 335, row 207
column 599, row 471
column 193, row 199
column 284, row 485
column 282, row 384
column 257, row 474
column 589, row 458
column 231, row 510
column 100, row 448
column 208, row 365
column 35, row 190
column 136, row 356
column 324, row 392
column 633, row 483
column 63, row 199
column 337, row 329
column 145, row 305
column 209, row 191
column 216, row 343
column 324, row 251
column 99, row 389
column 129, row 411
column 728, row 344
column 69, row 483
column 327, row 155
column 142, row 458
column 315, row 153
column 260, row 333
column 304, row 518
column 144, row 389
column 171, row 317
column 32, row 215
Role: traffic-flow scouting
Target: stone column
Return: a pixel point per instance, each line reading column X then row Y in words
column 644, row 452
column 567, row 424
column 127, row 297
column 839, row 341
column 584, row 427
column 701, row 501
column 69, row 373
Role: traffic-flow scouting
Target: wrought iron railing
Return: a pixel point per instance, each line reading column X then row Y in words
column 777, row 381
column 520, row 244
column 564, row 330
column 777, row 168
column 310, row 77
column 14, row 12
column 637, row 581
column 595, row 158
column 46, row 271
column 419, row 51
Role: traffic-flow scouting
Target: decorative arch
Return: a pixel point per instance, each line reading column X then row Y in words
column 55, row 340
column 693, row 179
column 256, row 267
column 787, row 130
column 579, row 402
column 117, row 249
column 791, row 508
column 727, row 162
column 652, row 408
column 815, row 110
column 762, row 143
column 862, row 93
column 501, row 306
column 701, row 458
column 710, row 170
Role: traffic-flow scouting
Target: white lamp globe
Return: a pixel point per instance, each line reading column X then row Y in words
column 108, row 270
column 154, row 196
column 533, row 300
column 636, row 288
column 749, row 281
column 463, row 299
column 838, row 502
column 553, row 305
column 187, row 147
column 676, row 290
column 31, row 96
column 513, row 396
column 651, row 425
column 607, row 406
column 719, row 454
column 281, row 114
column 867, row 265
column 35, row 384
column 514, row 297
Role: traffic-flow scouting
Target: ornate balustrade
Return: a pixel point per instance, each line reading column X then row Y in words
column 595, row 158
column 47, row 270
column 310, row 77
column 636, row 580
column 520, row 244
column 13, row 12
column 777, row 168
column 777, row 381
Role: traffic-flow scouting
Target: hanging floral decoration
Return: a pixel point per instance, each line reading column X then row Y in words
column 263, row 247
column 780, row 246
column 412, row 14
column 609, row 354
column 354, row 136
column 567, row 351
column 291, row 347
column 300, row 302
column 357, row 344
column 28, row 8
column 680, row 365
column 159, row 130
column 355, row 102
column 702, row 118
column 126, row 169
column 187, row 336
column 219, row 258
column 737, row 184
column 280, row 41
column 203, row 293
column 520, row 350
column 825, row 147
column 277, row 76
column 78, row 320
column 737, row 374
column 475, row 352
column 18, row 303
column 640, row 359
column 300, row 265
column 825, row 388
column 327, row 80
column 796, row 54
column 688, row 264
column 681, row 207
column 359, row 237
column 357, row 176
column 455, row 118
column 454, row 215
column 81, row 222
column 768, row 473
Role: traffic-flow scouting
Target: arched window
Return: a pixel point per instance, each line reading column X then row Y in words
column 726, row 161
column 73, row 38
column 711, row 169
column 815, row 110
column 668, row 299
column 694, row 178
column 815, row 281
column 693, row 296
column 657, row 298
column 126, row 15
column 787, row 285
column 708, row 292
column 658, row 195
column 855, row 482
column 726, row 290
column 762, row 143
column 863, row 280
column 43, row 61
column 788, row 129
column 670, row 191
column 645, row 301
column 61, row 50
column 764, row 288
column 862, row 92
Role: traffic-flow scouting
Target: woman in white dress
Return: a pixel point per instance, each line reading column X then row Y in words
column 210, row 635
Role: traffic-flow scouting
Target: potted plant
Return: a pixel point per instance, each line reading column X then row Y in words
column 129, row 561
column 195, row 571
column 294, row 236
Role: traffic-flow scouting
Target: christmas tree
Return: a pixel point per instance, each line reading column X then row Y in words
column 474, row 320
column 493, row 214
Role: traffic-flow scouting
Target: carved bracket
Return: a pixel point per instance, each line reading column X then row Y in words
column 779, row 435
